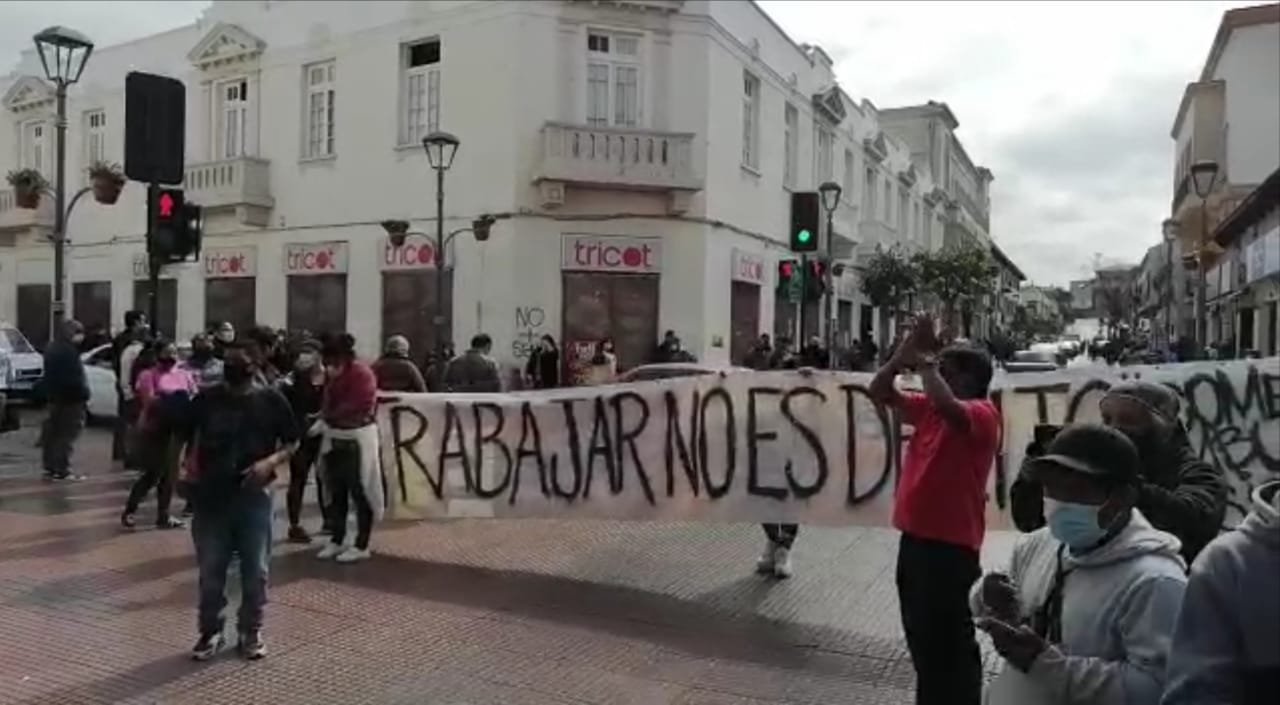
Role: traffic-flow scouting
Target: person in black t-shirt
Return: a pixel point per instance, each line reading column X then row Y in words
column 238, row 435
column 304, row 388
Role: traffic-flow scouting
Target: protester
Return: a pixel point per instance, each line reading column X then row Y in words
column 395, row 370
column 262, row 342
column 783, row 357
column 671, row 350
column 304, row 390
column 1177, row 491
column 602, row 366
column 435, row 366
column 1086, row 610
column 761, row 353
column 940, row 507
column 224, row 334
column 814, row 355
column 67, row 390
column 349, row 449
column 238, row 435
column 779, row 538
column 203, row 365
column 474, row 371
column 542, row 371
column 125, row 349
column 163, row 391
column 1226, row 642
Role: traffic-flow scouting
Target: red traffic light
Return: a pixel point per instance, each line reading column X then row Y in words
column 786, row 269
column 166, row 205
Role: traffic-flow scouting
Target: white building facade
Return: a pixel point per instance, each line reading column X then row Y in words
column 639, row 154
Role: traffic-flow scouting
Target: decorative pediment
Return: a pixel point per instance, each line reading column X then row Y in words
column 830, row 104
column 876, row 147
column 908, row 176
column 225, row 44
column 29, row 93
column 936, row 196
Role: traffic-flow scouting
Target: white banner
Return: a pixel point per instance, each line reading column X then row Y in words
column 761, row 446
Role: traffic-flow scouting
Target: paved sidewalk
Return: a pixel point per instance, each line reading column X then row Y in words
column 447, row 613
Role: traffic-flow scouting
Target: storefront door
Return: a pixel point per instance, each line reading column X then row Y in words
column 744, row 319
column 230, row 286
column 91, row 305
column 166, row 322
column 34, row 301
column 317, row 303
column 622, row 307
column 408, row 308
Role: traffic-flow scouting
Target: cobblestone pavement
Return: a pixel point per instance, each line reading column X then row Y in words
column 447, row 613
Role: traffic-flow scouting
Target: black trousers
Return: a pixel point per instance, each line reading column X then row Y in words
column 934, row 578
column 342, row 465
column 61, row 428
column 126, row 417
column 159, row 470
column 782, row 534
column 299, row 470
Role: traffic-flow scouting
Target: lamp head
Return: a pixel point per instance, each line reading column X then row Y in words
column 63, row 53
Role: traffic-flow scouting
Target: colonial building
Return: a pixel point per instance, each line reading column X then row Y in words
column 640, row 154
column 1249, row 273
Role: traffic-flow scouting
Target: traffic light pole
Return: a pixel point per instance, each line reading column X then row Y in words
column 153, row 262
column 829, row 294
column 804, row 294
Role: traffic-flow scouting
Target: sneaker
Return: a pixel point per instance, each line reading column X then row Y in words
column 297, row 534
column 252, row 647
column 782, row 563
column 128, row 520
column 170, row 523
column 207, row 647
column 764, row 564
column 330, row 550
column 353, row 555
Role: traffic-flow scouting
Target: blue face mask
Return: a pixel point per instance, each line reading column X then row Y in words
column 1074, row 524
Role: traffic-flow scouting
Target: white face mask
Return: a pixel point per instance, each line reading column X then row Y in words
column 226, row 336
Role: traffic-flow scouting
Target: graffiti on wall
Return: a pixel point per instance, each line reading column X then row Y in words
column 529, row 328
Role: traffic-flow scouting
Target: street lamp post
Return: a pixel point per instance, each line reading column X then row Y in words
column 830, row 192
column 1170, row 229
column 63, row 54
column 1203, row 175
column 441, row 148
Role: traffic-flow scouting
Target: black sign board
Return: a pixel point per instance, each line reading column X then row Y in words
column 155, row 124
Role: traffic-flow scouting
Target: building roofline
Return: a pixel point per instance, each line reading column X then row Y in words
column 931, row 107
column 1186, row 103
column 1232, row 20
column 1003, row 259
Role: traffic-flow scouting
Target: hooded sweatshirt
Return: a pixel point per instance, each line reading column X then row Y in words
column 1119, row 603
column 1226, row 646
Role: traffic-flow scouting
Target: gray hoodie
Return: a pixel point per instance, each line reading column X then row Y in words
column 1226, row 646
column 1119, row 603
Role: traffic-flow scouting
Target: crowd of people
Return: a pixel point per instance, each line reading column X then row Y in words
column 1122, row 587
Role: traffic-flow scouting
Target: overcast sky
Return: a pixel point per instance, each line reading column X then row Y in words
column 1069, row 104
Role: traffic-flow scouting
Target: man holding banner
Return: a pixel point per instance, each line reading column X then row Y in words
column 939, row 507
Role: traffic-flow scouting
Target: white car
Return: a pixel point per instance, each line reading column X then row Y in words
column 101, row 375
column 21, row 365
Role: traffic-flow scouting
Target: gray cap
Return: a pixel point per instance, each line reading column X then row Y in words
column 1092, row 449
column 1157, row 398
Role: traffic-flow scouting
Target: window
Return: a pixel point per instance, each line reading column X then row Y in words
column 904, row 211
column 869, row 194
column 928, row 228
column 750, row 120
column 886, row 204
column 791, row 146
column 419, row 91
column 320, row 90
column 233, row 118
column 35, row 147
column 613, row 80
column 95, row 137
column 847, row 186
column 915, row 219
column 822, row 147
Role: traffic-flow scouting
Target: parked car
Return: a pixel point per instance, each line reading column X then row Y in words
column 671, row 370
column 21, row 365
column 1032, row 361
column 101, row 375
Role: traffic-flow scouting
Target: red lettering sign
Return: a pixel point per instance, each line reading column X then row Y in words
column 416, row 253
column 321, row 258
column 612, row 254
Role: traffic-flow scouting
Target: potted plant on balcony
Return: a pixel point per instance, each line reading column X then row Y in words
column 27, row 185
column 107, row 179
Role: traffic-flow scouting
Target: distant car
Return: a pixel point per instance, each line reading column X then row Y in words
column 101, row 374
column 671, row 370
column 21, row 365
column 1032, row 361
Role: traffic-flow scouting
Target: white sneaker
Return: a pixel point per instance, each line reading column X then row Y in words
column 764, row 564
column 782, row 562
column 330, row 550
column 353, row 555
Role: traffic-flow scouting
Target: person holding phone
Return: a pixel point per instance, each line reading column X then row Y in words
column 239, row 435
column 1086, row 610
column 940, row 506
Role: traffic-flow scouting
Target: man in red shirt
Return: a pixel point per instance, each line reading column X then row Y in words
column 939, row 507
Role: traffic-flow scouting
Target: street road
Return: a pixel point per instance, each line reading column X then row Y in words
column 449, row 613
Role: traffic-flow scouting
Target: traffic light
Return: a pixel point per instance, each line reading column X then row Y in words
column 176, row 226
column 805, row 214
column 192, row 230
column 815, row 281
column 788, row 279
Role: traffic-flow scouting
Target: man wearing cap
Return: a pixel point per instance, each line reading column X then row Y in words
column 1085, row 613
column 67, row 390
column 1177, row 491
column 939, row 506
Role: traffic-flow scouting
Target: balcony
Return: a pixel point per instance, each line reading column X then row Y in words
column 15, row 221
column 873, row 232
column 241, row 185
column 628, row 159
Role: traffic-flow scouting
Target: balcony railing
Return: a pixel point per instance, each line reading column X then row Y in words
column 13, row 218
column 626, row 158
column 242, row 184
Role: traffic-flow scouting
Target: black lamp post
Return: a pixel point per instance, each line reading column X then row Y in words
column 830, row 192
column 63, row 54
column 1203, row 175
column 441, row 148
column 1169, row 229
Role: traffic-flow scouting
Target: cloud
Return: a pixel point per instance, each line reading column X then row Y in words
column 1069, row 105
column 106, row 23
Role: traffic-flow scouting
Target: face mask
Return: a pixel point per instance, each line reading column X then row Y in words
column 236, row 372
column 305, row 361
column 226, row 336
column 1074, row 524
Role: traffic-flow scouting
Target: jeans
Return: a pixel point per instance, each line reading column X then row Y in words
column 126, row 417
column 934, row 578
column 783, row 535
column 343, row 467
column 160, row 469
column 241, row 526
column 61, row 429
column 299, row 469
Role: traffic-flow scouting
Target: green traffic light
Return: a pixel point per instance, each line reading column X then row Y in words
column 803, row 236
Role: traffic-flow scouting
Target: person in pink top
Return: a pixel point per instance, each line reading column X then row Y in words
column 163, row 391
